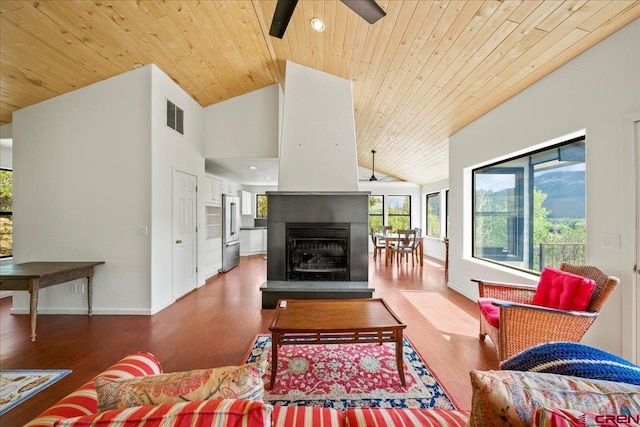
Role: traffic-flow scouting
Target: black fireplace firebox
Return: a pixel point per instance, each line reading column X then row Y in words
column 318, row 251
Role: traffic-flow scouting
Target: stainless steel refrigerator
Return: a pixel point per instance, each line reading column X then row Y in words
column 230, row 232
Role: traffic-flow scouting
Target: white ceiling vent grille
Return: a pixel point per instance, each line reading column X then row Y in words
column 175, row 117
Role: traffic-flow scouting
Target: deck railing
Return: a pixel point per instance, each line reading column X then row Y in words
column 552, row 254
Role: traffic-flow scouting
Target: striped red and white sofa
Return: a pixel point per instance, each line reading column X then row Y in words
column 80, row 408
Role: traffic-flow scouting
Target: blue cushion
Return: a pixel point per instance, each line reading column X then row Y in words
column 575, row 359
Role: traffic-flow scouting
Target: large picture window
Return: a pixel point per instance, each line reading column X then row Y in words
column 399, row 212
column 529, row 211
column 433, row 214
column 6, row 214
column 376, row 212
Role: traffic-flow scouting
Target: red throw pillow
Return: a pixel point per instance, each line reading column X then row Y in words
column 562, row 290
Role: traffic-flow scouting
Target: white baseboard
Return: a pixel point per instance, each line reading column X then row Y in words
column 83, row 312
column 462, row 291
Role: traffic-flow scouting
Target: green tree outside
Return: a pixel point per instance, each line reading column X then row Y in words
column 433, row 222
column 491, row 230
column 6, row 218
column 262, row 205
column 376, row 214
column 570, row 235
column 400, row 214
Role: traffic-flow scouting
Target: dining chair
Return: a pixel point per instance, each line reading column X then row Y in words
column 378, row 244
column 405, row 245
column 418, row 235
column 384, row 229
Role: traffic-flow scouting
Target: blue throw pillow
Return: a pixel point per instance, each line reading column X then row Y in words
column 575, row 359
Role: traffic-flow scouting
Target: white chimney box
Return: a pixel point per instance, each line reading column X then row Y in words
column 318, row 138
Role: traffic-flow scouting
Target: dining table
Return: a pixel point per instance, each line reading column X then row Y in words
column 394, row 237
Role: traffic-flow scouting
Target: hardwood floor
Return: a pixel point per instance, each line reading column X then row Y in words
column 215, row 324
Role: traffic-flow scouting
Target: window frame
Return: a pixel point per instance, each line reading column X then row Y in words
column 446, row 214
column 515, row 216
column 439, row 214
column 408, row 215
column 8, row 213
column 524, row 250
column 381, row 214
column 266, row 198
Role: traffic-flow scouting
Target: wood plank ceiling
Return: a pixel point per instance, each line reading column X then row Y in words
column 419, row 74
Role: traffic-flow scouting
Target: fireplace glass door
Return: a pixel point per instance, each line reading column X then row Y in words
column 318, row 252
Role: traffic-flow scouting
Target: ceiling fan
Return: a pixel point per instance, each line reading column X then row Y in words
column 373, row 177
column 373, row 166
column 367, row 9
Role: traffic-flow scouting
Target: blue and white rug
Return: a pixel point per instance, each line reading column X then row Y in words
column 344, row 376
column 16, row 386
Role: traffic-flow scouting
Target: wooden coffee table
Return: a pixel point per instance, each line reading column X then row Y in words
column 349, row 321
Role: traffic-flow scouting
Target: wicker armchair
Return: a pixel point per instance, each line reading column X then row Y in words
column 523, row 325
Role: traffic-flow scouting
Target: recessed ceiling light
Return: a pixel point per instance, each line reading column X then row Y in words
column 253, row 167
column 317, row 24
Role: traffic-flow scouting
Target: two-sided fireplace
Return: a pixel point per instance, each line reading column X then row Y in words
column 318, row 251
column 317, row 246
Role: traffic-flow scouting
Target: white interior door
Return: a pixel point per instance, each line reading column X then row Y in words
column 184, row 233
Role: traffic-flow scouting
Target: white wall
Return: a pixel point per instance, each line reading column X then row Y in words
column 434, row 246
column 6, row 131
column 82, row 185
column 171, row 151
column 90, row 168
column 597, row 91
column 318, row 146
column 244, row 126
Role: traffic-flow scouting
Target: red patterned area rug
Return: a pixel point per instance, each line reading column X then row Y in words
column 348, row 375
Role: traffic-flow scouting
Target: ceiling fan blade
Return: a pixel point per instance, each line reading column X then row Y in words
column 281, row 17
column 367, row 9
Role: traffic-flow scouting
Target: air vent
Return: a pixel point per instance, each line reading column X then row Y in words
column 175, row 117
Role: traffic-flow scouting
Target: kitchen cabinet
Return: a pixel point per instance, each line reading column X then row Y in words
column 230, row 188
column 253, row 241
column 246, row 203
column 212, row 191
column 212, row 257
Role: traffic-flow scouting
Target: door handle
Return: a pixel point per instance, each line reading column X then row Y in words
column 178, row 242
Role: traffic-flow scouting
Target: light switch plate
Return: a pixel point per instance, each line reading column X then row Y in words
column 610, row 241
